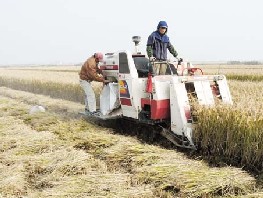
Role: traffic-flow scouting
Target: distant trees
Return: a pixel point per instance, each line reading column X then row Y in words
column 244, row 63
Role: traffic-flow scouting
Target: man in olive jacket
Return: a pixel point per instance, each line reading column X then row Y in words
column 90, row 72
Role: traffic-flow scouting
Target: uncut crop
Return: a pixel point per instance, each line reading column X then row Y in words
column 231, row 135
column 60, row 83
column 236, row 72
column 234, row 134
column 41, row 75
column 232, row 69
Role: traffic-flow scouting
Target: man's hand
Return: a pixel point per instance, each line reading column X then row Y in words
column 105, row 82
column 152, row 59
column 180, row 60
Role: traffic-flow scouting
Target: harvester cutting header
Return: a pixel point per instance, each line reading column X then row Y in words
column 138, row 91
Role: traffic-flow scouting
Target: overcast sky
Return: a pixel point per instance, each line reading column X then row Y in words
column 69, row 31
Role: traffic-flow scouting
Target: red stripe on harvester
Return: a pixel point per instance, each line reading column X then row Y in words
column 149, row 87
column 126, row 101
column 187, row 112
column 160, row 109
column 109, row 67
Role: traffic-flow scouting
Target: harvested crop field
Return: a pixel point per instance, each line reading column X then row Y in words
column 59, row 154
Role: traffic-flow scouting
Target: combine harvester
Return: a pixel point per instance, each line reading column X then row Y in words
column 134, row 92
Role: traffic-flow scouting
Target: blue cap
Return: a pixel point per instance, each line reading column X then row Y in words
column 162, row 24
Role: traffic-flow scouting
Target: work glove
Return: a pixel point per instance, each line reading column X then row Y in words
column 105, row 82
column 180, row 60
column 152, row 59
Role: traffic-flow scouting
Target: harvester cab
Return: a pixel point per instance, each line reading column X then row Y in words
column 136, row 92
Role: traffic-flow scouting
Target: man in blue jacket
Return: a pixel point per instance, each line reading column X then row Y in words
column 157, row 45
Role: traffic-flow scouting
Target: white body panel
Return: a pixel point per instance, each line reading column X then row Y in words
column 179, row 104
column 109, row 98
column 224, row 91
column 130, row 86
column 204, row 92
column 161, row 90
column 140, row 88
column 131, row 80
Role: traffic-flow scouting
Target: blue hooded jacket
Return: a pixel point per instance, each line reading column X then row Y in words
column 159, row 42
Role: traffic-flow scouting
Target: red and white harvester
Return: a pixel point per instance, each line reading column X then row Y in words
column 134, row 92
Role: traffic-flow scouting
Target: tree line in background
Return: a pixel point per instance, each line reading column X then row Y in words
column 244, row 63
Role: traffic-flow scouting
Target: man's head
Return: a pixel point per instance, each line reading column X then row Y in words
column 162, row 27
column 98, row 57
